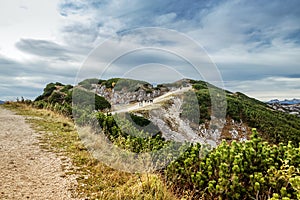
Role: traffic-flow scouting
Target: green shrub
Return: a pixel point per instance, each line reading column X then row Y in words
column 49, row 89
column 87, row 83
column 89, row 99
column 236, row 171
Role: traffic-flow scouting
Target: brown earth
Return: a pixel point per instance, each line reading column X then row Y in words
column 26, row 170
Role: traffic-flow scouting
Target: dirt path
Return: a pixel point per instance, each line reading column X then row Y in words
column 155, row 104
column 27, row 171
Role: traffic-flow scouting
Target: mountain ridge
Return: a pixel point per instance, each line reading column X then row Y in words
column 243, row 112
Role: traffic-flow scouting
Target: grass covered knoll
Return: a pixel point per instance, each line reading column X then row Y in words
column 95, row 180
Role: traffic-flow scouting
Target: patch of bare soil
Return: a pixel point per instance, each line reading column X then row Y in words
column 26, row 170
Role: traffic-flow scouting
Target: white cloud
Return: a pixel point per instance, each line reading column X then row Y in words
column 268, row 88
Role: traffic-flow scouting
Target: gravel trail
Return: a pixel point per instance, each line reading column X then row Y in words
column 26, row 170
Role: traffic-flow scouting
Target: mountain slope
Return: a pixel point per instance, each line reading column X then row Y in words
column 253, row 169
column 243, row 113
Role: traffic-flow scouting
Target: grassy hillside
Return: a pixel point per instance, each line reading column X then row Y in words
column 266, row 166
column 273, row 126
column 58, row 97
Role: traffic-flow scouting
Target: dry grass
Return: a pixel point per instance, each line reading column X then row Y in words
column 95, row 179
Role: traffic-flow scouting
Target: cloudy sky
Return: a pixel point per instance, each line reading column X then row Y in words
column 255, row 45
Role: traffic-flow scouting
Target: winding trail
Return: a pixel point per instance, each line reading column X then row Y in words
column 155, row 104
column 26, row 170
column 184, row 132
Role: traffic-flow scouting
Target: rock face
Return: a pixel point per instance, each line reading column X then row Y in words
column 167, row 118
column 126, row 91
column 163, row 106
column 172, row 126
column 126, row 96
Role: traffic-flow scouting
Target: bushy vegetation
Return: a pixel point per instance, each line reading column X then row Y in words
column 129, row 137
column 87, row 83
column 273, row 126
column 142, row 124
column 199, row 85
column 129, row 84
column 265, row 167
column 141, row 121
column 249, row 170
column 254, row 169
column 116, row 83
column 189, row 108
column 58, row 97
column 84, row 98
column 110, row 83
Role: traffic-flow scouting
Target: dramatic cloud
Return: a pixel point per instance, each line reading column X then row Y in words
column 255, row 44
column 43, row 48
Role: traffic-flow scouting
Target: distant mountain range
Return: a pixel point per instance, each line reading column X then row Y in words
column 284, row 102
column 2, row 102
